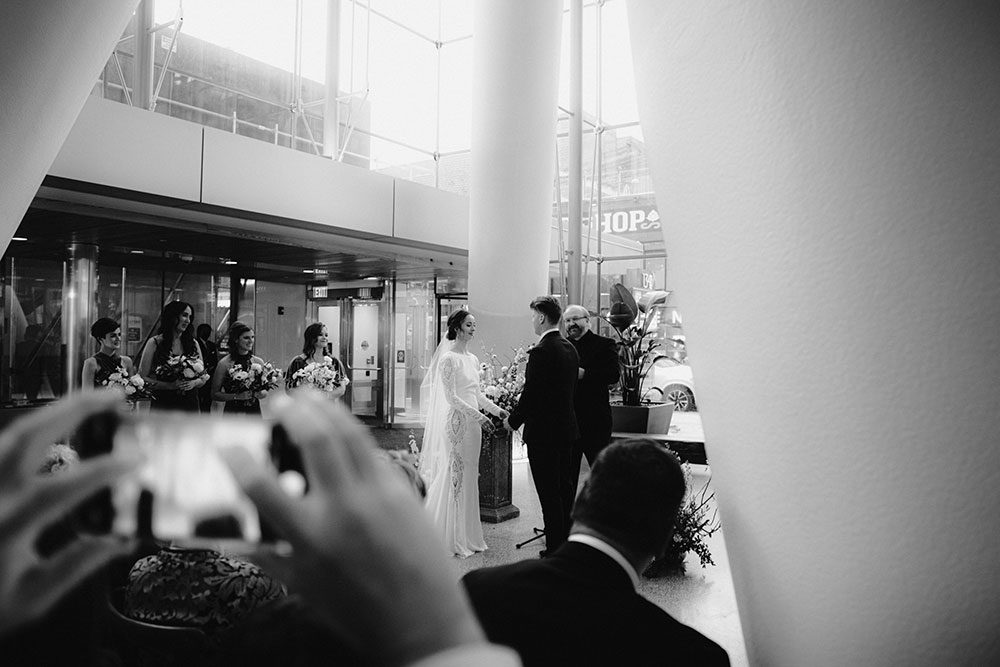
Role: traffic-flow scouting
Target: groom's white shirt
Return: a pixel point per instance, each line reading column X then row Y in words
column 547, row 332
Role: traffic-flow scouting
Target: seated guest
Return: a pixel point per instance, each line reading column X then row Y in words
column 580, row 606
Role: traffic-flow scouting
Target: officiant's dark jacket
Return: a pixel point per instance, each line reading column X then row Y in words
column 546, row 404
column 578, row 607
column 599, row 361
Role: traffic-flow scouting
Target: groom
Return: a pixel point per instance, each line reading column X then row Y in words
column 546, row 410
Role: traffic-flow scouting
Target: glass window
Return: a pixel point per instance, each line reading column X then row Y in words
column 33, row 350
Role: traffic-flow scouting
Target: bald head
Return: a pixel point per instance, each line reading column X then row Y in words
column 577, row 321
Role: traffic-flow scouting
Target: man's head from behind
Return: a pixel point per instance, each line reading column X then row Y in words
column 545, row 313
column 632, row 496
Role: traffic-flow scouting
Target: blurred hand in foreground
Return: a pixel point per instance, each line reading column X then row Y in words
column 365, row 554
column 30, row 502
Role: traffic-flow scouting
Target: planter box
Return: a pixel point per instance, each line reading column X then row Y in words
column 646, row 418
column 496, row 478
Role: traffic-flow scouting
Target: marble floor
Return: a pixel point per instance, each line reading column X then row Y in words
column 702, row 598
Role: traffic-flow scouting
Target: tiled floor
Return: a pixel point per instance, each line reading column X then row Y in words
column 702, row 598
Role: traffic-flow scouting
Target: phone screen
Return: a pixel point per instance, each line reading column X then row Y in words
column 195, row 499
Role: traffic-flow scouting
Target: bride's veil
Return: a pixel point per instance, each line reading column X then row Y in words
column 433, row 409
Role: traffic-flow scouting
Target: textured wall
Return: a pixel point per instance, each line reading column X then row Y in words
column 829, row 180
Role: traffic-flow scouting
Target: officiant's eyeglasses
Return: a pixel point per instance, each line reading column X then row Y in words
column 577, row 319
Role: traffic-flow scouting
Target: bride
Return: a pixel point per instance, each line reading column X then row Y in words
column 449, row 459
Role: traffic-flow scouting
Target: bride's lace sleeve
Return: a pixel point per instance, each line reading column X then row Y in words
column 449, row 382
column 484, row 402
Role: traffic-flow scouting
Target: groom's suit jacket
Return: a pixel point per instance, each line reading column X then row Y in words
column 578, row 607
column 546, row 404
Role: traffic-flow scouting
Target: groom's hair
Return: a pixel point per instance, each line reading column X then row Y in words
column 549, row 307
column 632, row 495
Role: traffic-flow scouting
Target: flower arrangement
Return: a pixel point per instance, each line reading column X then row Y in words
column 632, row 324
column 697, row 520
column 133, row 386
column 180, row 367
column 322, row 376
column 256, row 378
column 259, row 377
column 503, row 383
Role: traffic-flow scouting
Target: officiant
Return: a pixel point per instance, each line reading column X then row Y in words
column 598, row 369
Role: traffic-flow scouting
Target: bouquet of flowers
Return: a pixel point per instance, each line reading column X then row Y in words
column 323, row 376
column 257, row 378
column 503, row 383
column 180, row 367
column 133, row 385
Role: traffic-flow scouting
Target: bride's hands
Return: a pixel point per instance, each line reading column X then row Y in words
column 486, row 424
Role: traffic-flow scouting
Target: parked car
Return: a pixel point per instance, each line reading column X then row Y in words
column 671, row 380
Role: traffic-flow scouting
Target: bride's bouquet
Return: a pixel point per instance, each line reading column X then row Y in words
column 323, row 376
column 257, row 378
column 180, row 367
column 133, row 386
column 503, row 383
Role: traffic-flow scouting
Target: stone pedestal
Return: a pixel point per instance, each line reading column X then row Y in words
column 496, row 478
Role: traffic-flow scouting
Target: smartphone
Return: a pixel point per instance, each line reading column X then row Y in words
column 183, row 491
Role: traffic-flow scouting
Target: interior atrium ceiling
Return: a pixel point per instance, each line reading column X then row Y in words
column 156, row 233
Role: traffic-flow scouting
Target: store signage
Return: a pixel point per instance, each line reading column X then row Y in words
column 631, row 221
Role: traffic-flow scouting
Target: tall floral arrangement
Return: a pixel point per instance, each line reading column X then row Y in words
column 502, row 382
column 697, row 520
column 637, row 351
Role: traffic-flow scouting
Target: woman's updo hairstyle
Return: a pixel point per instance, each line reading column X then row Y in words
column 103, row 327
column 455, row 322
column 237, row 330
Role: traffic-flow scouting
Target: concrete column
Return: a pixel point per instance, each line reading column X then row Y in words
column 52, row 53
column 515, row 92
column 145, row 55
column 331, row 107
column 828, row 181
column 574, row 287
column 79, row 309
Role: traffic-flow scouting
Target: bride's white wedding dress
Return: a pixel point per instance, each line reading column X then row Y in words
column 449, row 459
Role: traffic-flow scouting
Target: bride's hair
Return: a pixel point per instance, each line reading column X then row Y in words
column 455, row 321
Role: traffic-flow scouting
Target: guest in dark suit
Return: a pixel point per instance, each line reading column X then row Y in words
column 546, row 410
column 210, row 353
column 598, row 369
column 580, row 606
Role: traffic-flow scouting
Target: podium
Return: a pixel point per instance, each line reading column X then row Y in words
column 496, row 478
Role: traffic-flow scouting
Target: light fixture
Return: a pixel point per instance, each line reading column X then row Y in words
column 136, row 252
column 19, row 238
column 230, row 262
column 308, row 271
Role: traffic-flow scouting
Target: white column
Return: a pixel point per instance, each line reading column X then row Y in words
column 515, row 93
column 828, row 181
column 52, row 53
column 331, row 107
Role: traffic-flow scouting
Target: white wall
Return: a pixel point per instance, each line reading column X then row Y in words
column 832, row 173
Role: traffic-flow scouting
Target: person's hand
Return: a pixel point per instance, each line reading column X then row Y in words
column 486, row 424
column 260, row 395
column 365, row 554
column 503, row 414
column 243, row 396
column 506, row 424
column 187, row 385
column 29, row 502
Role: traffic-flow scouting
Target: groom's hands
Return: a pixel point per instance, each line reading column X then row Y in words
column 506, row 424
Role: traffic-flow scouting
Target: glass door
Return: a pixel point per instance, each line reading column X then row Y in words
column 365, row 359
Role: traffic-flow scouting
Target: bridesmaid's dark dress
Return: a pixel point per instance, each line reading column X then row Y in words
column 171, row 399
column 251, row 407
column 106, row 365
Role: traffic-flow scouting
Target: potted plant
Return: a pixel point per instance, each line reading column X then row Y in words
column 637, row 352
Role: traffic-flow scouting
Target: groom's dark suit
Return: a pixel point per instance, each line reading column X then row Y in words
column 546, row 410
column 579, row 608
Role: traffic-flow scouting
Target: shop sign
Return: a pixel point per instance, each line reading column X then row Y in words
column 631, row 221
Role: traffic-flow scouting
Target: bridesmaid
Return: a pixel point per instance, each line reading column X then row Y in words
column 241, row 339
column 314, row 345
column 97, row 368
column 174, row 337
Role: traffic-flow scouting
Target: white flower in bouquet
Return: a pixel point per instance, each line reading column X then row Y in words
column 133, row 386
column 323, row 376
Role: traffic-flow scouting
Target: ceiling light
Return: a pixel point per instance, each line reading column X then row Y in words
column 19, row 238
column 229, row 262
column 308, row 271
column 135, row 252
